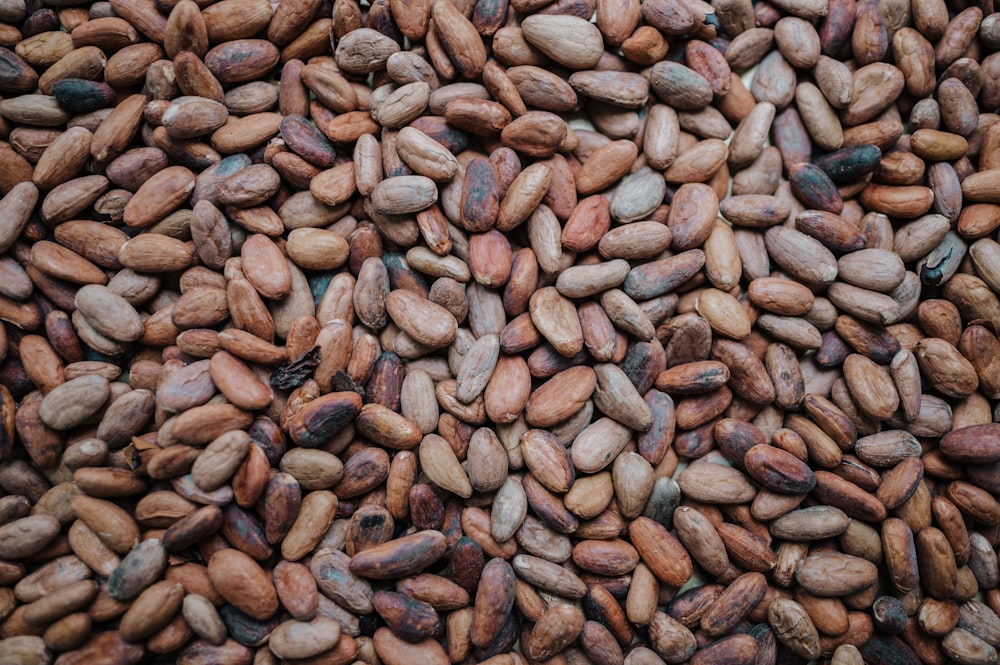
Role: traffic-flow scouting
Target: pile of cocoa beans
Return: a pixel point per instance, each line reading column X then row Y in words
column 611, row 332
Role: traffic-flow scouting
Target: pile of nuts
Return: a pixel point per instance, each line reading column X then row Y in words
column 507, row 332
